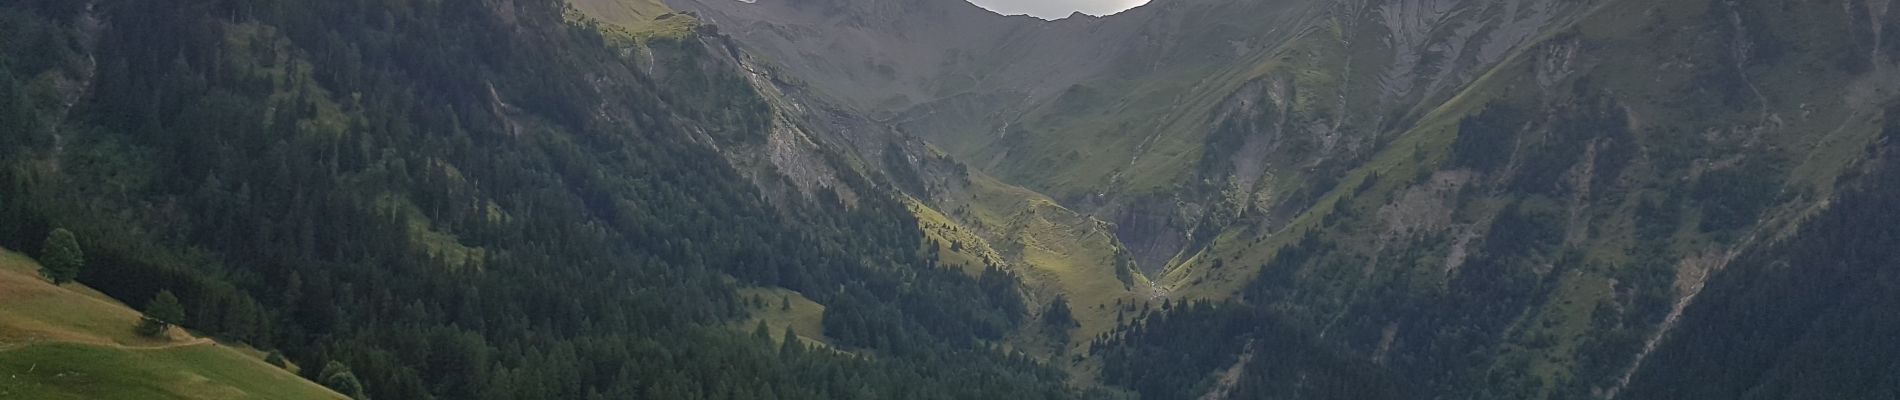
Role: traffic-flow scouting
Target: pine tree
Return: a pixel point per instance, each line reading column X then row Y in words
column 762, row 334
column 62, row 259
column 791, row 347
column 1059, row 314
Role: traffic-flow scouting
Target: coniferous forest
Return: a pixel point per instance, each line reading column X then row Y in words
column 340, row 181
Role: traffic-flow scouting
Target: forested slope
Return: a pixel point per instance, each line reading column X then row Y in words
column 472, row 199
column 1807, row 317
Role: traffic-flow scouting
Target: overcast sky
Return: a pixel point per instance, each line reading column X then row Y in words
column 1052, row 9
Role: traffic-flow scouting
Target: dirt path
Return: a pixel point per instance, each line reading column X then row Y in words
column 173, row 345
column 4, row 347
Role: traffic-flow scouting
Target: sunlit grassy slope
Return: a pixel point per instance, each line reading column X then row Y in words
column 957, row 246
column 1052, row 249
column 72, row 342
column 621, row 12
column 804, row 316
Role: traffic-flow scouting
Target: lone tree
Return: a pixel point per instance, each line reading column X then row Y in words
column 762, row 333
column 61, row 260
column 790, row 348
column 161, row 314
column 1059, row 314
column 1060, row 318
column 338, row 377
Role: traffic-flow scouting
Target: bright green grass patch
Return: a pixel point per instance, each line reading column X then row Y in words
column 628, row 13
column 1060, row 252
column 32, row 310
column 804, row 316
column 1565, row 322
column 957, row 247
column 75, row 371
column 1051, row 249
column 72, row 342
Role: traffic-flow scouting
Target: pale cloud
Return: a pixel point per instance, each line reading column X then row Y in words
column 1052, row 9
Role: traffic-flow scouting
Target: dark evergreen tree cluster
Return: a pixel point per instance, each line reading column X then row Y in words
column 465, row 200
column 1733, row 198
column 1059, row 315
column 1487, row 141
column 1181, row 351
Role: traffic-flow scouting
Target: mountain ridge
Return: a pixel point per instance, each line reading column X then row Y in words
column 1441, row 157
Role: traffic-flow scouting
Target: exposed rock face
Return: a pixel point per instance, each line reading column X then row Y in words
column 1421, row 180
column 1152, row 233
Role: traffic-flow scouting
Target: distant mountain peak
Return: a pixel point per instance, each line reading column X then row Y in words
column 1056, row 10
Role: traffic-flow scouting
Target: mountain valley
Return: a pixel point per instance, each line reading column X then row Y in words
column 1191, row 199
